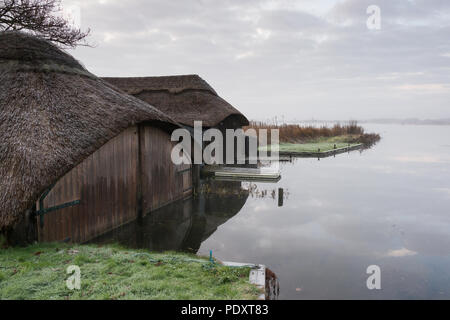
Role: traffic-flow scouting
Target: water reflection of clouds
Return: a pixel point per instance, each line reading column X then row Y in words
column 422, row 159
column 384, row 168
column 262, row 207
column 367, row 231
column 388, row 206
column 314, row 202
column 403, row 252
column 445, row 191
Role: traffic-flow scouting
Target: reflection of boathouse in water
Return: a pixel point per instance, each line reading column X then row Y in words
column 183, row 225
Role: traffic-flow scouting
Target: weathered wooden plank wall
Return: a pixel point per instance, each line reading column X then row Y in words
column 162, row 181
column 107, row 184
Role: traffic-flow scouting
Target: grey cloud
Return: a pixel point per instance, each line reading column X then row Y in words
column 278, row 58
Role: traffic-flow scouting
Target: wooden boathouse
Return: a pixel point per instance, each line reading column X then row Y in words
column 77, row 157
column 185, row 98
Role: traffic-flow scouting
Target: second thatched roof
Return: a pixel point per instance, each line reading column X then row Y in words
column 185, row 98
column 53, row 114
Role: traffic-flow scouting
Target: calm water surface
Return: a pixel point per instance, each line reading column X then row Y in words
column 387, row 206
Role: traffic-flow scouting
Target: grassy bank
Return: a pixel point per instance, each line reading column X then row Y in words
column 110, row 272
column 312, row 147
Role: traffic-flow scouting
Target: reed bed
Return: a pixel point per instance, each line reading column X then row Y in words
column 350, row 132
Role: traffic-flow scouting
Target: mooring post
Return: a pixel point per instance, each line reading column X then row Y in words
column 280, row 197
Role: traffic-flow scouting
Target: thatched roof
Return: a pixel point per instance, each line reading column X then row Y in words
column 186, row 98
column 53, row 114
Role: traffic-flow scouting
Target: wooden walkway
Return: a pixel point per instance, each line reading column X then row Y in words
column 241, row 173
column 319, row 154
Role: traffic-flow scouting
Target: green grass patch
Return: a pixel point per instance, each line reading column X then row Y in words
column 310, row 147
column 342, row 139
column 112, row 272
column 323, row 143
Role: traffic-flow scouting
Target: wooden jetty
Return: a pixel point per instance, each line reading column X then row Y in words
column 317, row 154
column 242, row 173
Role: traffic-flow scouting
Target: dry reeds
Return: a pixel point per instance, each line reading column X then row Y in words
column 297, row 133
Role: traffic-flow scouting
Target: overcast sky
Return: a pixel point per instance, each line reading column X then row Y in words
column 298, row 59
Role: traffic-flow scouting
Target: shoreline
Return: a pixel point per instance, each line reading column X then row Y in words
column 321, row 154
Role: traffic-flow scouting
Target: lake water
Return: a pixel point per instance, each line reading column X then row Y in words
column 387, row 206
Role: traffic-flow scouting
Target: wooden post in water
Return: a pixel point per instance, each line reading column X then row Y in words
column 280, row 197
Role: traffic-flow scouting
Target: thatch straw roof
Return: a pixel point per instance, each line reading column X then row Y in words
column 53, row 114
column 186, row 98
